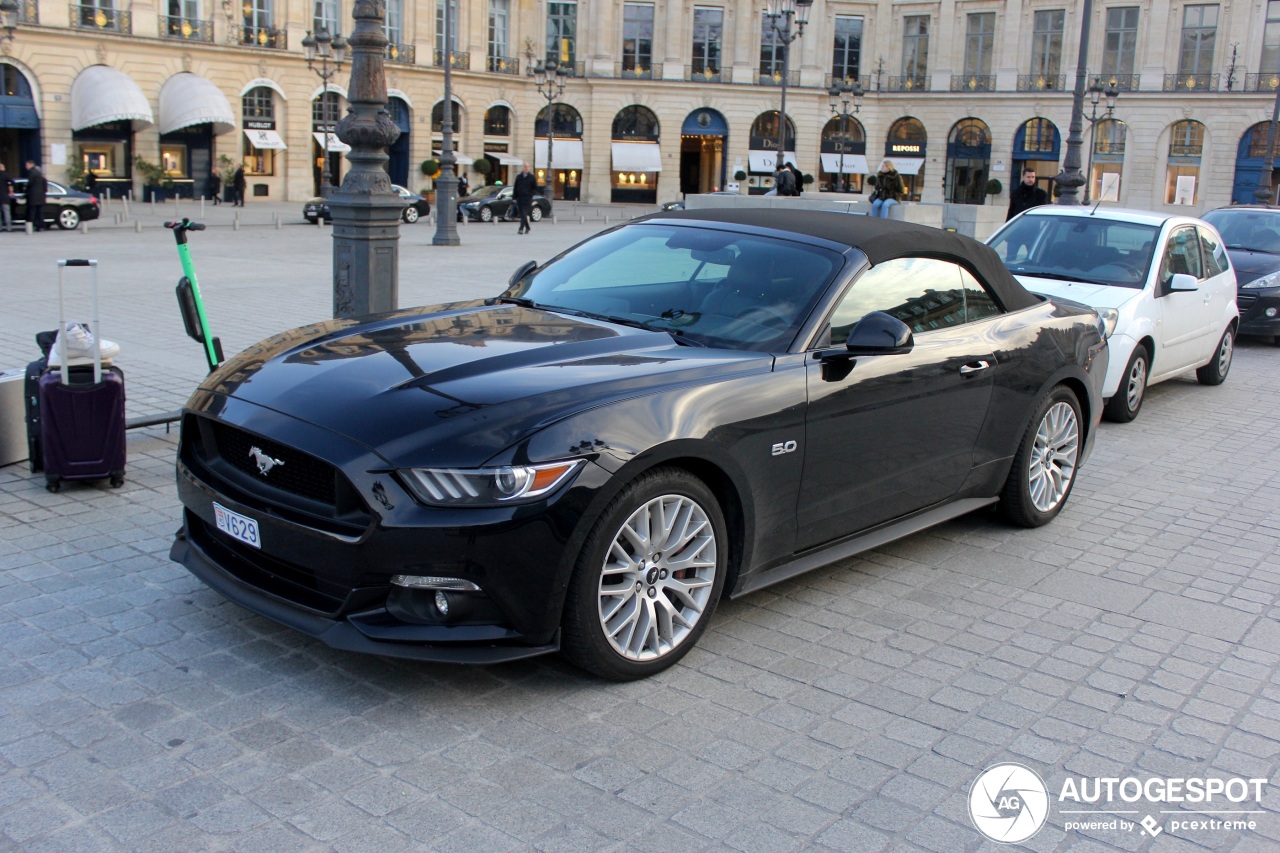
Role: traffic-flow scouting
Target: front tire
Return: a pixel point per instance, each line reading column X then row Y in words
column 536, row 214
column 410, row 215
column 486, row 214
column 68, row 218
column 648, row 578
column 1215, row 372
column 1044, row 469
column 1127, row 402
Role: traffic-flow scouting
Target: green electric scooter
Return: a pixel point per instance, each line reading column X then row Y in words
column 189, row 301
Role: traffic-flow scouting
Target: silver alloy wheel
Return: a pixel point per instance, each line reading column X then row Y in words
column 536, row 214
column 1136, row 385
column 1053, row 457
column 486, row 214
column 1225, row 351
column 68, row 218
column 411, row 214
column 657, row 577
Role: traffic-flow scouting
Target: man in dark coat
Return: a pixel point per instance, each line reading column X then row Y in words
column 237, row 183
column 213, row 186
column 1026, row 195
column 37, row 194
column 784, row 181
column 6, row 183
column 799, row 178
column 522, row 191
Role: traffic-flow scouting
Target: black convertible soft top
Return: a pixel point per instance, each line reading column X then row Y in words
column 880, row 240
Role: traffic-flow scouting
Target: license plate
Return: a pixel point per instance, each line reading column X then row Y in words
column 237, row 526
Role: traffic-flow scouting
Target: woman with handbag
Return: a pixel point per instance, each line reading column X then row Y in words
column 889, row 190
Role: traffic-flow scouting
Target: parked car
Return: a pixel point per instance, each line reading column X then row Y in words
column 688, row 405
column 63, row 205
column 1252, row 237
column 678, row 204
column 416, row 207
column 1163, row 284
column 492, row 202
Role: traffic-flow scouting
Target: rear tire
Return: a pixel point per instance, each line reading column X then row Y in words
column 1125, row 405
column 536, row 214
column 486, row 214
column 1215, row 372
column 68, row 218
column 648, row 577
column 410, row 215
column 1044, row 469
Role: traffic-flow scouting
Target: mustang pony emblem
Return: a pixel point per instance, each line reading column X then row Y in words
column 265, row 462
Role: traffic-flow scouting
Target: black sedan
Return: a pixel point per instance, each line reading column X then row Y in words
column 63, row 205
column 416, row 207
column 687, row 406
column 1252, row 237
column 494, row 202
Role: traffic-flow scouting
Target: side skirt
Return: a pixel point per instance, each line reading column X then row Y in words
column 861, row 542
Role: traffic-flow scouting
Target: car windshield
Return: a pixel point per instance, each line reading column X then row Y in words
column 705, row 286
column 486, row 191
column 1078, row 248
column 1251, row 230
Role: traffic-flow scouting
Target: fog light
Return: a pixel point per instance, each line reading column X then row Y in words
column 1271, row 312
column 442, row 602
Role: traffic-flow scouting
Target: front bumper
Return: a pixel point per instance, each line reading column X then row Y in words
column 1254, row 303
column 325, row 566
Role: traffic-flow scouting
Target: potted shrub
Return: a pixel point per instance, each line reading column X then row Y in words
column 482, row 167
column 994, row 187
column 431, row 168
column 156, row 182
column 741, row 178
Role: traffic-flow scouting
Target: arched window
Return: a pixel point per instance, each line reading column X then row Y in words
column 326, row 108
column 1107, row 159
column 905, row 146
column 567, row 121
column 497, row 121
column 843, row 155
column 258, row 113
column 766, row 126
column 968, row 161
column 1039, row 136
column 970, row 133
column 1182, row 174
column 907, row 130
column 437, row 117
column 635, row 122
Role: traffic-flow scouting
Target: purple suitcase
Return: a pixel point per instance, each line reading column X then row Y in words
column 82, row 422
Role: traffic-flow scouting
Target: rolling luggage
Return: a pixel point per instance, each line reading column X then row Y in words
column 81, row 409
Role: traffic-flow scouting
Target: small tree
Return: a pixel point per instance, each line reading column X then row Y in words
column 482, row 166
column 431, row 168
column 739, row 175
column 808, row 179
column 994, row 187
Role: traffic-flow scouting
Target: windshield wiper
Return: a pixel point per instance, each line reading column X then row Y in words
column 680, row 336
column 513, row 300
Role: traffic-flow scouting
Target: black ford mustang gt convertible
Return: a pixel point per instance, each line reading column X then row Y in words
column 691, row 405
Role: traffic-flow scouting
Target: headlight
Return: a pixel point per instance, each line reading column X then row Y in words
column 1271, row 279
column 486, row 486
column 1109, row 317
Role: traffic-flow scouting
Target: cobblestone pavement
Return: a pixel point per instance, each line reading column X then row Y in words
column 850, row 709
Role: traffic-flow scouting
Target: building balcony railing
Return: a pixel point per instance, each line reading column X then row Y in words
column 502, row 64
column 907, row 83
column 97, row 18
column 649, row 72
column 1268, row 82
column 405, row 54
column 1042, row 83
column 460, row 60
column 708, row 74
column 766, row 78
column 275, row 38
column 1191, row 82
column 830, row 78
column 1122, row 82
column 188, row 29
column 973, row 82
column 28, row 11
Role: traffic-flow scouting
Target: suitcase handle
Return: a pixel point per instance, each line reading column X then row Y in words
column 62, row 319
column 77, row 262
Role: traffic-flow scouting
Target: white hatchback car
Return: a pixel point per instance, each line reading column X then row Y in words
column 1162, row 284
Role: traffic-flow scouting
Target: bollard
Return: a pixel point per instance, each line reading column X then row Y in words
column 606, row 219
column 29, row 228
column 84, row 226
column 582, row 220
column 319, row 221
column 278, row 223
column 137, row 226
column 201, row 207
column 236, row 224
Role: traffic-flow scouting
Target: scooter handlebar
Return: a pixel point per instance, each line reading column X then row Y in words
column 185, row 225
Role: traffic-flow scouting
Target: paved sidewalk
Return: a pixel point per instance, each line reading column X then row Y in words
column 850, row 709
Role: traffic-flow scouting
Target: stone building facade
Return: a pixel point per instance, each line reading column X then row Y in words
column 660, row 98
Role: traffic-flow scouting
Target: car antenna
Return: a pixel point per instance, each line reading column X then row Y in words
column 1096, row 205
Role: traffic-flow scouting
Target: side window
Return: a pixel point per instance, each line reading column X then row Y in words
column 924, row 293
column 1181, row 254
column 1215, row 257
column 977, row 302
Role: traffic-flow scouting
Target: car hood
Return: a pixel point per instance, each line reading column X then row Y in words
column 456, row 384
column 1093, row 295
column 1250, row 265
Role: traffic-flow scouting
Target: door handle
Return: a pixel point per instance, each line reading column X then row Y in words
column 973, row 367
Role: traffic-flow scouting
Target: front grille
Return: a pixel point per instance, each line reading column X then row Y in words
column 295, row 472
column 1244, row 301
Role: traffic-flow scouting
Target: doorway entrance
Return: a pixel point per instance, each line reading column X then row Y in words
column 703, row 139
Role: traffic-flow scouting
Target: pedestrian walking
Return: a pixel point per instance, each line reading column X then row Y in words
column 889, row 190
column 90, row 182
column 1026, row 195
column 522, row 191
column 784, row 181
column 798, row 176
column 6, row 199
column 213, row 186
column 237, row 185
column 37, row 194
column 463, row 187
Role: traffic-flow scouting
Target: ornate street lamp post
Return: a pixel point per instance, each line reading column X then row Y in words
column 9, row 10
column 1264, row 193
column 325, row 47
column 447, row 185
column 781, row 15
column 842, row 96
column 366, row 211
column 1096, row 91
column 1070, row 179
column 550, row 78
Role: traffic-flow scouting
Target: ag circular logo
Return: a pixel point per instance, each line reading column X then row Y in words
column 1008, row 803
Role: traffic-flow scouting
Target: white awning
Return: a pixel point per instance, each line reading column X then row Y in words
column 907, row 165
column 567, row 153
column 763, row 161
column 265, row 139
column 506, row 159
column 460, row 159
column 636, row 157
column 101, row 94
column 188, row 99
column 854, row 164
column 335, row 144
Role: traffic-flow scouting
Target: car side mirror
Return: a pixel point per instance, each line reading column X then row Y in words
column 879, row 333
column 523, row 270
column 1183, row 282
